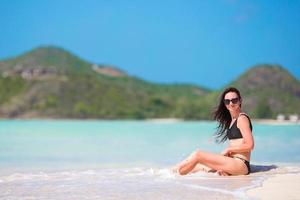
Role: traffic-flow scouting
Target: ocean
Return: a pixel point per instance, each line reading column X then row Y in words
column 95, row 159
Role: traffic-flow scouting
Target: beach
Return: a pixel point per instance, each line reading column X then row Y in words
column 128, row 183
column 283, row 186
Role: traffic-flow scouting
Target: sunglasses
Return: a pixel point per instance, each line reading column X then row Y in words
column 234, row 101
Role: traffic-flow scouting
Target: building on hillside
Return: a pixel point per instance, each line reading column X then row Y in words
column 294, row 118
column 280, row 117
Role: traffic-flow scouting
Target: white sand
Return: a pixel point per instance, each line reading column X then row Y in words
column 284, row 186
column 275, row 122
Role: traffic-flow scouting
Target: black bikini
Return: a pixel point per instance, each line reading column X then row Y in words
column 234, row 133
column 246, row 162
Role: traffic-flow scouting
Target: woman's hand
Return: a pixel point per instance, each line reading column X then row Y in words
column 226, row 152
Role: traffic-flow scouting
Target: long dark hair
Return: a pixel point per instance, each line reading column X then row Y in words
column 222, row 115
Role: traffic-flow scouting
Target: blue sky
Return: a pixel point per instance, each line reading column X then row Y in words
column 208, row 43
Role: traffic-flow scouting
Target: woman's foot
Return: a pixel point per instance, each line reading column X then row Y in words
column 174, row 170
column 222, row 173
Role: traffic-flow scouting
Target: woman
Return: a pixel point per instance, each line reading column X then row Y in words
column 233, row 125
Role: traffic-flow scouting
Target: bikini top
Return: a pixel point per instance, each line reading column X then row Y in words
column 234, row 132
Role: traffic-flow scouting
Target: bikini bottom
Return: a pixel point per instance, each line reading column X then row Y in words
column 246, row 162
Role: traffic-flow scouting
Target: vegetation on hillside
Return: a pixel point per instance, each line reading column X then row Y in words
column 72, row 89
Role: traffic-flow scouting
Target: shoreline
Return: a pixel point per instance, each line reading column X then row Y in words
column 279, row 186
column 275, row 122
column 172, row 120
column 259, row 121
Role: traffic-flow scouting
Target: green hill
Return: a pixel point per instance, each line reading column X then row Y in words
column 269, row 90
column 48, row 57
column 50, row 82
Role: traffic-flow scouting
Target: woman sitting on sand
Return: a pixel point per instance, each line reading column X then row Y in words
column 233, row 125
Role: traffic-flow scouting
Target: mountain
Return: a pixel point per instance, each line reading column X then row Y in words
column 46, row 57
column 269, row 90
column 50, row 82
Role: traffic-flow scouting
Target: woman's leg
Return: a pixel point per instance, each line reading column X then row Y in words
column 197, row 168
column 214, row 161
column 177, row 166
column 201, row 167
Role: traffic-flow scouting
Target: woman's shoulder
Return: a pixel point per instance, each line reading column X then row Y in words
column 244, row 115
column 243, row 118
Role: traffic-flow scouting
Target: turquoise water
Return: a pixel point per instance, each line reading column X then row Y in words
column 51, row 143
column 73, row 154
